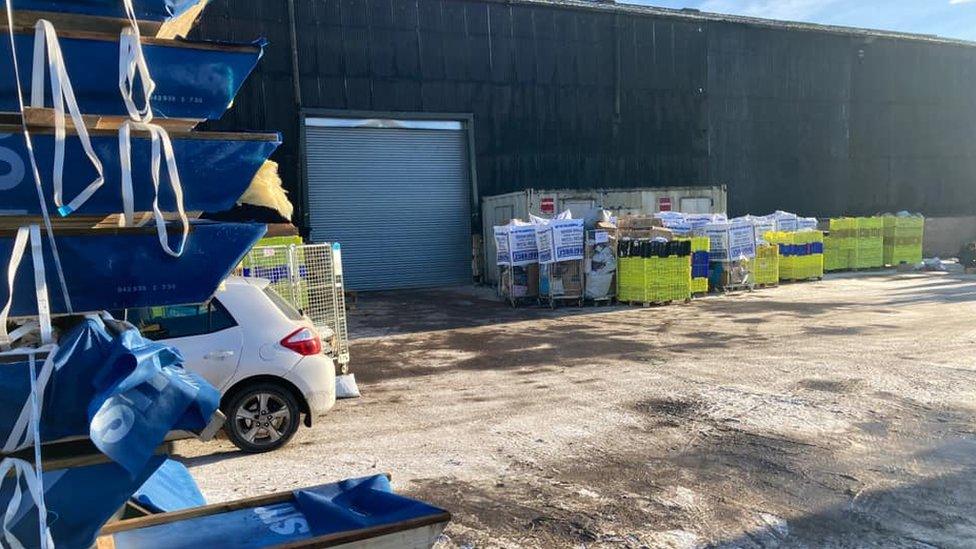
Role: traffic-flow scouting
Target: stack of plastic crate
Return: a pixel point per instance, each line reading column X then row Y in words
column 870, row 243
column 654, row 271
column 840, row 246
column 903, row 239
column 765, row 268
column 810, row 262
column 801, row 254
column 630, row 271
column 667, row 278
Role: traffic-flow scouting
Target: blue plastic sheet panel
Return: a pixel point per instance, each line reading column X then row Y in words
column 170, row 488
column 110, row 269
column 146, row 10
column 122, row 391
column 215, row 171
column 356, row 505
column 193, row 80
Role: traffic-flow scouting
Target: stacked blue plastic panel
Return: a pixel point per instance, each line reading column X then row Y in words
column 699, row 265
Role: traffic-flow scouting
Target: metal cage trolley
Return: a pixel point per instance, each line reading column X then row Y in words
column 600, row 266
column 309, row 276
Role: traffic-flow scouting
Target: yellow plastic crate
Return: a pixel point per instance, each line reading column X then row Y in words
column 870, row 243
column 630, row 279
column 765, row 268
column 840, row 248
column 667, row 279
column 903, row 238
column 798, row 267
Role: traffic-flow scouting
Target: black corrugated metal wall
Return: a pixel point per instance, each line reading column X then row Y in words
column 821, row 123
column 829, row 124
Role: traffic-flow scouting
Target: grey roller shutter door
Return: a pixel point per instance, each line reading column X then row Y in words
column 398, row 200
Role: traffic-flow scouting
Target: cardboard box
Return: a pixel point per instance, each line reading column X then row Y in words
column 654, row 232
column 571, row 275
column 639, row 222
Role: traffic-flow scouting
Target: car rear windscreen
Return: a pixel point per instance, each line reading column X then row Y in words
column 287, row 308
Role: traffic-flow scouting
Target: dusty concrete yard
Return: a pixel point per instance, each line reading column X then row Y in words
column 832, row 414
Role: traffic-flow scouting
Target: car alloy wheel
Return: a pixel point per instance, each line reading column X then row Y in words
column 262, row 418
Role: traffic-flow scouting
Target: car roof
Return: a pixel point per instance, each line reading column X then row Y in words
column 260, row 283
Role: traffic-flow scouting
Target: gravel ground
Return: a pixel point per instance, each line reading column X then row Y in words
column 830, row 414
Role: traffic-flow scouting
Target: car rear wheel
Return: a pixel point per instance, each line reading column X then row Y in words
column 262, row 418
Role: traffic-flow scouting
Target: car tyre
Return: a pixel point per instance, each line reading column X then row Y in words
column 262, row 417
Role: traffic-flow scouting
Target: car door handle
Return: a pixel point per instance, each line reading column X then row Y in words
column 219, row 355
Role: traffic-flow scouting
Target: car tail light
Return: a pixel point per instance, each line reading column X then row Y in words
column 303, row 341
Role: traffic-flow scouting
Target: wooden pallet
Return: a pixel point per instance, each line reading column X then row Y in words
column 735, row 288
column 798, row 280
column 177, row 27
column 765, row 285
column 44, row 118
column 648, row 304
column 516, row 302
column 556, row 301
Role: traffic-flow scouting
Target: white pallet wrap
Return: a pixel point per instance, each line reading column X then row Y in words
column 785, row 221
column 503, row 253
column 567, row 239
column 698, row 222
column 764, row 224
column 522, row 245
column 731, row 240
column 544, row 243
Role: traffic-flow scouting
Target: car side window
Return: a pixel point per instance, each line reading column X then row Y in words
column 171, row 322
column 220, row 318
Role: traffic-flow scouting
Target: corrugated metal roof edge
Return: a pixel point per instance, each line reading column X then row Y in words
column 635, row 9
column 546, row 190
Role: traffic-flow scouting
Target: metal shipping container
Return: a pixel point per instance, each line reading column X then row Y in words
column 500, row 209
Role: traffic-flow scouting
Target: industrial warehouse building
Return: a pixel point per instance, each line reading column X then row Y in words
column 399, row 114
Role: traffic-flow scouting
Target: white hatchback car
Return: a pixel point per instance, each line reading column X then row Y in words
column 266, row 359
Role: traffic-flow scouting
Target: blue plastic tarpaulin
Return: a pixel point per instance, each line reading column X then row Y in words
column 79, row 502
column 357, row 503
column 142, row 392
column 123, row 391
column 171, row 488
column 347, row 506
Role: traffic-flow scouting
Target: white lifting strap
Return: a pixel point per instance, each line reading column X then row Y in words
column 40, row 285
column 61, row 94
column 132, row 62
column 28, row 428
column 35, row 172
column 21, row 434
column 31, row 233
column 16, row 255
column 161, row 146
column 22, row 470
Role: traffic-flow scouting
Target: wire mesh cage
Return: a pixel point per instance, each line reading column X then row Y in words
column 309, row 276
column 600, row 265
